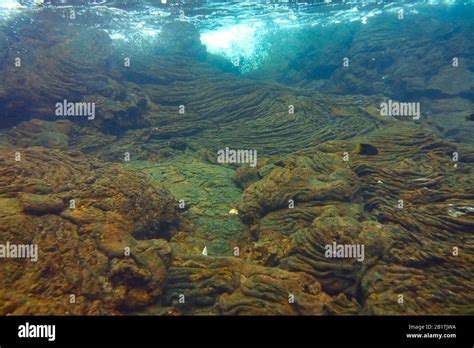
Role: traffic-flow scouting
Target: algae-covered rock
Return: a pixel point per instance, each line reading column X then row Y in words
column 182, row 38
column 40, row 204
column 83, row 216
column 41, row 133
column 170, row 230
column 241, row 288
column 366, row 149
column 398, row 205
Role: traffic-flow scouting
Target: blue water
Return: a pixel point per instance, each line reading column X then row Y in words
column 246, row 32
column 304, row 85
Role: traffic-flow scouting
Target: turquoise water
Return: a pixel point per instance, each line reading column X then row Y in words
column 399, row 49
column 249, row 34
column 227, row 145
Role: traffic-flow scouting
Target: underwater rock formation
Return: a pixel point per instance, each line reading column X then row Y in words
column 55, row 135
column 68, row 66
column 330, row 170
column 231, row 286
column 401, row 205
column 181, row 38
column 387, row 56
column 82, row 214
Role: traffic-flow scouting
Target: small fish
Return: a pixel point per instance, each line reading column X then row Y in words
column 204, row 251
column 233, row 211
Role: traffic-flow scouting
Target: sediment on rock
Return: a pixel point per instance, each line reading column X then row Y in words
column 407, row 205
column 231, row 286
column 85, row 216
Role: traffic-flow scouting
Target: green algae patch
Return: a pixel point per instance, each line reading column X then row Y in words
column 9, row 206
column 205, row 193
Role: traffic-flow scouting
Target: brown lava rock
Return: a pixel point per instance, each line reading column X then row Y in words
column 82, row 250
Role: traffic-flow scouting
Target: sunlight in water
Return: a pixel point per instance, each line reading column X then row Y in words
column 235, row 42
column 9, row 4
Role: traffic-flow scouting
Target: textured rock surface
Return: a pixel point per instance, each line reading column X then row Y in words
column 82, row 249
column 206, row 194
column 405, row 247
column 66, row 65
column 270, row 250
column 391, row 57
column 234, row 287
